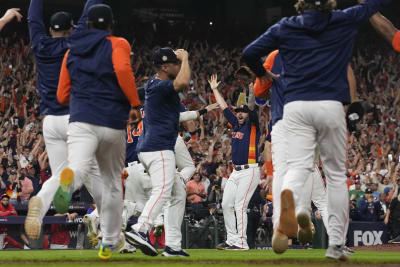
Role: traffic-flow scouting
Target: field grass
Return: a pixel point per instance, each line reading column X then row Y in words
column 198, row 257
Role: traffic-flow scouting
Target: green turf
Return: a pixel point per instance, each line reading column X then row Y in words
column 198, row 258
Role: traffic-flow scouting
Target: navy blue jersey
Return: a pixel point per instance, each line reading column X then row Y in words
column 245, row 138
column 49, row 53
column 161, row 120
column 316, row 48
column 132, row 138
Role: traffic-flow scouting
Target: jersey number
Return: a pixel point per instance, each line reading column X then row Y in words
column 134, row 132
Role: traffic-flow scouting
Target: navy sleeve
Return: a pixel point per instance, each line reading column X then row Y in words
column 253, row 53
column 82, row 23
column 35, row 22
column 230, row 117
column 361, row 12
column 268, row 136
column 182, row 108
column 166, row 87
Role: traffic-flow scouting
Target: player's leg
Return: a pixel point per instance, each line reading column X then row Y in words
column 301, row 142
column 279, row 240
column 82, row 145
column 332, row 141
column 183, row 159
column 55, row 138
column 319, row 195
column 173, row 217
column 228, row 205
column 111, row 157
column 161, row 167
column 247, row 184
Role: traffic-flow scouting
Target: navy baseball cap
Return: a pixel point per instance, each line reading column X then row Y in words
column 61, row 21
column 164, row 55
column 100, row 13
column 242, row 108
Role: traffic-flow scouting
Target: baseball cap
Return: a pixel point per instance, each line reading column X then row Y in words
column 164, row 55
column 368, row 191
column 100, row 13
column 61, row 21
column 242, row 108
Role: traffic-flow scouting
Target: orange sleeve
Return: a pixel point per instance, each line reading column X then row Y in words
column 64, row 83
column 123, row 70
column 396, row 42
column 260, row 88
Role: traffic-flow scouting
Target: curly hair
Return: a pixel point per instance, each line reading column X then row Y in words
column 302, row 6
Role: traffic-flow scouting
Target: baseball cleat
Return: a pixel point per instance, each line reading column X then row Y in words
column 233, row 247
column 279, row 242
column 169, row 252
column 62, row 198
column 348, row 250
column 141, row 241
column 337, row 253
column 287, row 220
column 33, row 224
column 222, row 246
column 305, row 234
column 127, row 248
column 106, row 250
column 91, row 224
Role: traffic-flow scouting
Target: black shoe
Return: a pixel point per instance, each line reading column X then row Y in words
column 222, row 246
column 396, row 240
column 141, row 241
column 235, row 248
column 168, row 252
column 348, row 250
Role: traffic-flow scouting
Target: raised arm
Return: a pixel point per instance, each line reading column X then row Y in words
column 213, row 81
column 35, row 21
column 352, row 84
column 384, row 27
column 182, row 80
column 9, row 16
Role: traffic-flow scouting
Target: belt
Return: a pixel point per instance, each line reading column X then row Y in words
column 245, row 166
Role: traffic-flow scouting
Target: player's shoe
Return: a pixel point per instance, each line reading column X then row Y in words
column 305, row 233
column 141, row 241
column 348, row 250
column 62, row 198
column 169, row 252
column 91, row 223
column 222, row 246
column 158, row 230
column 33, row 224
column 337, row 253
column 127, row 248
column 279, row 242
column 106, row 250
column 287, row 220
column 395, row 240
column 233, row 247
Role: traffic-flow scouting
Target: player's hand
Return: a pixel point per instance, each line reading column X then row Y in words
column 213, row 81
column 212, row 107
column 182, row 54
column 10, row 14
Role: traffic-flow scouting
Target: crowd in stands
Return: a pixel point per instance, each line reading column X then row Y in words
column 374, row 147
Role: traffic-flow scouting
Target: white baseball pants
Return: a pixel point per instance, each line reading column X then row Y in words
column 237, row 194
column 183, row 159
column 161, row 167
column 322, row 123
column 55, row 130
column 86, row 144
column 314, row 188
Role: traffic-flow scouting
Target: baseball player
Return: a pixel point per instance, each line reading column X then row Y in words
column 246, row 175
column 49, row 52
column 383, row 26
column 315, row 184
column 97, row 70
column 316, row 88
column 157, row 142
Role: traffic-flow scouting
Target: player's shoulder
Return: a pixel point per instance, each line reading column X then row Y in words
column 119, row 41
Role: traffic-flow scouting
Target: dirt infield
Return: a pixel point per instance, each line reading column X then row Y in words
column 384, row 247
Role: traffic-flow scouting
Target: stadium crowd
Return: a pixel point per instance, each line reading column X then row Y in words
column 373, row 154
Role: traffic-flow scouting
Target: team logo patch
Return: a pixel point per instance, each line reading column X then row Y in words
column 164, row 58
